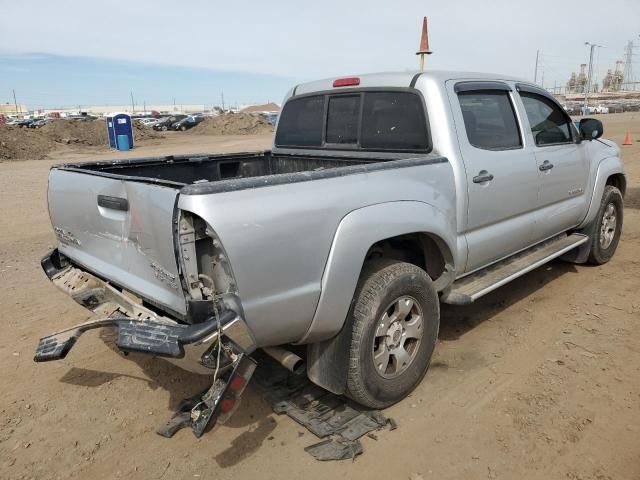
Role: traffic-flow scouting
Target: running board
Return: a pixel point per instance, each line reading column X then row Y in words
column 470, row 288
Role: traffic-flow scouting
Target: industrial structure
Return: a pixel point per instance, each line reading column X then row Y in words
column 578, row 81
column 613, row 81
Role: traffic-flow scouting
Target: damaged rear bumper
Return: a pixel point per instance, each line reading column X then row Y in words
column 139, row 329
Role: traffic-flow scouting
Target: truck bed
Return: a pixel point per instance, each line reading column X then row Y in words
column 179, row 171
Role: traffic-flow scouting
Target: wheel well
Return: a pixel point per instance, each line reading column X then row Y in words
column 619, row 181
column 421, row 249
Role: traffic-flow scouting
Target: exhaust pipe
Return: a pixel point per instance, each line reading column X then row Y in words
column 287, row 359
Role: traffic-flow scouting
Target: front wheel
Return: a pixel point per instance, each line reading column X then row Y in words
column 608, row 228
column 395, row 319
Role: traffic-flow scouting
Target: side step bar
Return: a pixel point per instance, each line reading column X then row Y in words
column 470, row 288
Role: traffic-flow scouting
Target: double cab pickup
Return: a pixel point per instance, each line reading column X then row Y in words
column 383, row 196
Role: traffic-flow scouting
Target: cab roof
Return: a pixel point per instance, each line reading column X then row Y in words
column 398, row 79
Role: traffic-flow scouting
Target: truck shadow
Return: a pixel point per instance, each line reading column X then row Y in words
column 455, row 321
column 180, row 385
column 248, row 442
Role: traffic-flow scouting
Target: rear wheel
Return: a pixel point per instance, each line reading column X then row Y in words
column 395, row 318
column 608, row 228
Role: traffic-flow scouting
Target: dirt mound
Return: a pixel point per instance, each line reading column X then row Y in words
column 140, row 132
column 25, row 143
column 91, row 132
column 233, row 124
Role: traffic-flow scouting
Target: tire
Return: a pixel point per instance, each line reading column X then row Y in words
column 384, row 286
column 183, row 128
column 606, row 233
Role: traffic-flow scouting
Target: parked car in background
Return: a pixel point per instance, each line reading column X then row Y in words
column 188, row 122
column 168, row 122
column 147, row 122
column 25, row 122
column 40, row 123
column 155, row 121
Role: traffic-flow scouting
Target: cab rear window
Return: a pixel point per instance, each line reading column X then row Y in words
column 365, row 120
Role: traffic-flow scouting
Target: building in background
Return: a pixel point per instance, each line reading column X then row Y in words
column 13, row 109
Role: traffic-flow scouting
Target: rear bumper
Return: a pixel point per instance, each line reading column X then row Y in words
column 139, row 329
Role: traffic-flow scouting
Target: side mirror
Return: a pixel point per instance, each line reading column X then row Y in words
column 590, row 128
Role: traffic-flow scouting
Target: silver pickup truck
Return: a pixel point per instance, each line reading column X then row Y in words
column 383, row 195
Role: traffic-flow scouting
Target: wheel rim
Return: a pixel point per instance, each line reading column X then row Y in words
column 397, row 337
column 608, row 226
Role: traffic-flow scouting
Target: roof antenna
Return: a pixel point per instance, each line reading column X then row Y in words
column 424, row 44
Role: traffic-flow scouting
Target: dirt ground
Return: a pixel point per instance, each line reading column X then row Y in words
column 539, row 379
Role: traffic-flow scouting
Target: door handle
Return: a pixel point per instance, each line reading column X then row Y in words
column 546, row 165
column 483, row 176
column 114, row 203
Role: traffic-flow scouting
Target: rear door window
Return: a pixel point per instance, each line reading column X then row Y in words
column 490, row 120
column 393, row 121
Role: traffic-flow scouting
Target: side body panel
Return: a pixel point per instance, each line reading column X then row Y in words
column 278, row 238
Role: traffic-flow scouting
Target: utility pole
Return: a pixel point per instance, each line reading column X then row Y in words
column 133, row 108
column 15, row 102
column 535, row 73
column 589, row 74
column 222, row 98
column 174, row 104
column 144, row 102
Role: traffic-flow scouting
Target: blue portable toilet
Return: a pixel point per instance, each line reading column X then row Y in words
column 120, row 131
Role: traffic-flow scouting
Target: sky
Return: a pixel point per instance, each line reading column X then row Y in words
column 71, row 52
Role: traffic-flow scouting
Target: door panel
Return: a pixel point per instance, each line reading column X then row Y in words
column 563, row 168
column 502, row 175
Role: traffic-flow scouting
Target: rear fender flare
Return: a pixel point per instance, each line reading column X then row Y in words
column 355, row 234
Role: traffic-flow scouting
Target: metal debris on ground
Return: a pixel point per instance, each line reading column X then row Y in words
column 336, row 420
